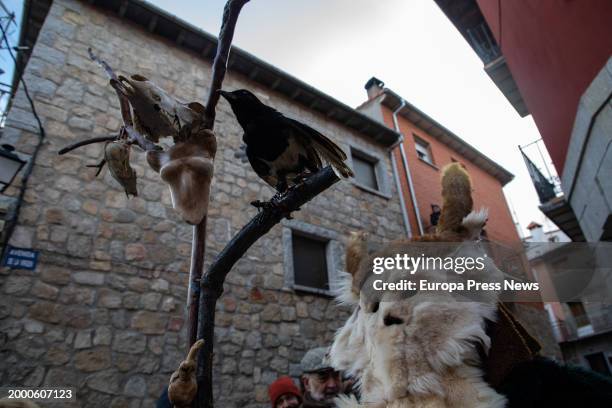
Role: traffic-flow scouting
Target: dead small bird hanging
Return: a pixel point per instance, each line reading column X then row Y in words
column 117, row 157
column 157, row 114
column 150, row 114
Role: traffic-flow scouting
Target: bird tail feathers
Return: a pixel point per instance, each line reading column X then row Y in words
column 332, row 154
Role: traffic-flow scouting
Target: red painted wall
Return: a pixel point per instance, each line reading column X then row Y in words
column 487, row 190
column 554, row 49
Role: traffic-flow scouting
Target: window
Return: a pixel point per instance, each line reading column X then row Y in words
column 423, row 150
column 309, row 262
column 598, row 363
column 370, row 168
column 312, row 255
column 579, row 313
column 365, row 170
column 581, row 319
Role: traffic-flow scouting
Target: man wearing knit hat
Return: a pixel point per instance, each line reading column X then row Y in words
column 284, row 393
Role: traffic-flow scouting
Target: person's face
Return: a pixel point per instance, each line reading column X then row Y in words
column 324, row 385
column 287, row 401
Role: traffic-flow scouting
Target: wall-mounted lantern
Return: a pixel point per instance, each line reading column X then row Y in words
column 10, row 164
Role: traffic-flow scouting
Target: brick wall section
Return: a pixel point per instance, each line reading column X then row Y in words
column 487, row 192
column 104, row 311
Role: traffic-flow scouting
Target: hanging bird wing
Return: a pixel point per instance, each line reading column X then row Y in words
column 323, row 146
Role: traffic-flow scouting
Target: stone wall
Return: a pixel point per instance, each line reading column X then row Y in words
column 104, row 311
column 586, row 176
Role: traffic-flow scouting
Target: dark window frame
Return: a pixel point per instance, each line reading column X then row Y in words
column 298, row 278
column 579, row 313
column 380, row 170
column 358, row 156
column 333, row 255
column 599, row 362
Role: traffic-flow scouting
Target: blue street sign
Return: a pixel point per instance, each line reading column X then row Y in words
column 21, row 258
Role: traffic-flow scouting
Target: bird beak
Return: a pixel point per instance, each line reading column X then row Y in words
column 227, row 95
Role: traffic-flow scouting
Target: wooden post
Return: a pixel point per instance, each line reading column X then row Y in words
column 198, row 244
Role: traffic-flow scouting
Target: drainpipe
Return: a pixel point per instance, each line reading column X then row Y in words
column 405, row 162
column 399, row 186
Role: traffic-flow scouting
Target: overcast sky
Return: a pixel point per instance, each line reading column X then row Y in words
column 12, row 29
column 337, row 45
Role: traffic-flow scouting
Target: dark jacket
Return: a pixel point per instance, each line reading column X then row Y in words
column 163, row 401
column 310, row 403
column 543, row 383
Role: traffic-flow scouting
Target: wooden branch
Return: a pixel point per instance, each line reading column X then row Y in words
column 196, row 298
column 264, row 221
column 139, row 140
column 212, row 282
column 86, row 142
column 198, row 249
column 98, row 166
column 133, row 137
column 230, row 17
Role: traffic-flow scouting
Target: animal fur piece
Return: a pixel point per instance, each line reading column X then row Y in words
column 183, row 386
column 156, row 113
column 117, row 156
column 456, row 198
column 187, row 168
column 419, row 350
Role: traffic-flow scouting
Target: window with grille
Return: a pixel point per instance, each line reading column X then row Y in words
column 309, row 262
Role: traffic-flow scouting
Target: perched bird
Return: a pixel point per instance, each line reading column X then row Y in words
column 282, row 150
column 117, row 156
column 183, row 386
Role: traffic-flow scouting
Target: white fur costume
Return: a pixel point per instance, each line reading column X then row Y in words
column 419, row 351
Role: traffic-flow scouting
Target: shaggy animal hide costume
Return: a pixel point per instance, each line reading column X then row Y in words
column 433, row 350
column 418, row 351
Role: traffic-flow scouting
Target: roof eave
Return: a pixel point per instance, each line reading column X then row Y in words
column 466, row 16
column 437, row 130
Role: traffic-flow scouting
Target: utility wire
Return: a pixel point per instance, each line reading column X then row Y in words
column 8, row 13
column 30, row 166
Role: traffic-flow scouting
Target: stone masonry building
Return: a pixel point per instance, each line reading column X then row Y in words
column 104, row 311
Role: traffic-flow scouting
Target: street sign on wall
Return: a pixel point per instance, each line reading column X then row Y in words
column 21, row 258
